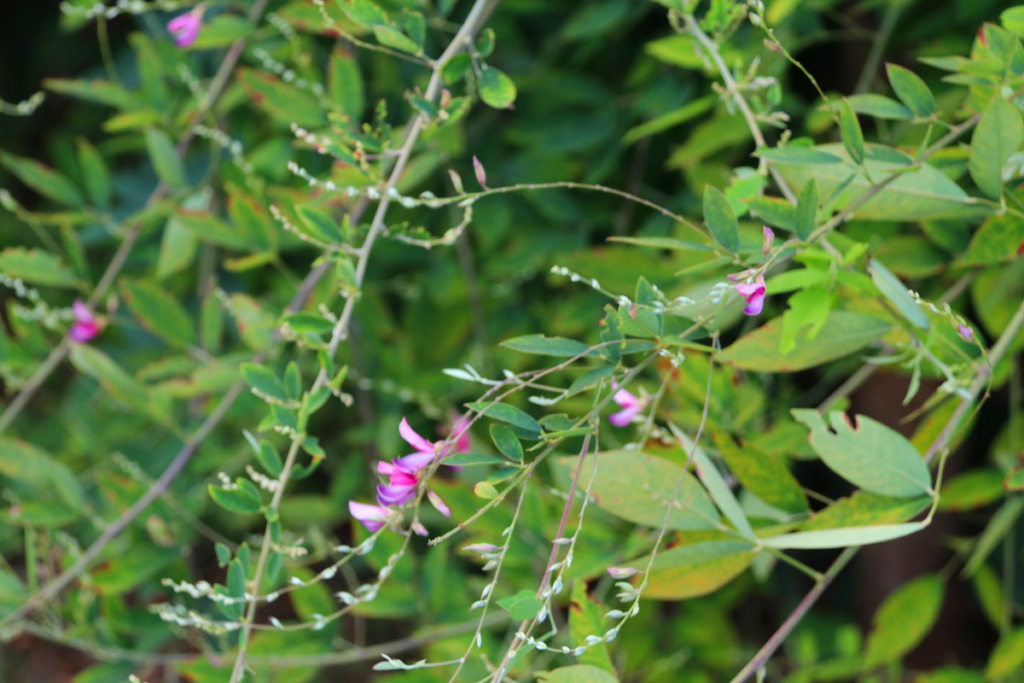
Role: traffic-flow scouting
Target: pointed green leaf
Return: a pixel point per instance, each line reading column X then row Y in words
column 867, row 453
column 842, row 538
column 507, row 413
column 541, row 345
column 43, row 179
column 842, row 334
column 720, row 219
column 234, row 500
column 496, row 89
column 36, row 267
column 911, row 90
column 763, row 475
column 264, row 381
column 903, row 620
column 637, row 487
column 1007, row 656
column 95, row 174
column 998, row 135
column 158, row 311
column 807, row 210
column 879, row 106
column 712, row 479
column 851, row 133
column 166, row 161
column 896, row 292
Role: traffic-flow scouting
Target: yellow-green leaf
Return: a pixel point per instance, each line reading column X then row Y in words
column 695, row 569
column 998, row 135
column 903, row 620
column 159, row 311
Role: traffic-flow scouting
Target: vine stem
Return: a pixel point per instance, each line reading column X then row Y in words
column 340, row 331
column 741, row 102
column 1000, row 349
column 213, row 94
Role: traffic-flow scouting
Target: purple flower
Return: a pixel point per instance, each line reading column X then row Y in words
column 481, row 174
column 754, row 294
column 373, row 517
column 85, row 327
column 403, row 480
column 769, row 237
column 631, row 407
column 965, row 332
column 185, row 27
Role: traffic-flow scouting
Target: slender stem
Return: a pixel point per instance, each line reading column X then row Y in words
column 941, row 441
column 117, row 262
column 741, row 102
column 769, row 648
column 341, row 328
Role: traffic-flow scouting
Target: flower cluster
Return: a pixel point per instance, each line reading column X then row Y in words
column 404, row 476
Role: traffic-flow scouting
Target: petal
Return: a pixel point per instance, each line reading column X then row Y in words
column 384, row 467
column 436, row 501
column 769, row 237
column 747, row 290
column 414, row 439
column 419, row 529
column 372, row 517
column 624, row 417
column 755, row 304
column 625, row 398
column 81, row 311
column 965, row 332
column 395, row 495
column 415, row 461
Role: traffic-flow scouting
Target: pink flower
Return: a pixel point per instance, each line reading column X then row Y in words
column 965, row 332
column 85, row 327
column 373, row 517
column 754, row 294
column 460, row 427
column 404, row 476
column 185, row 28
column 481, row 174
column 769, row 237
column 631, row 407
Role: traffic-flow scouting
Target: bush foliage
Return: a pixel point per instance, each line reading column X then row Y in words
column 494, row 340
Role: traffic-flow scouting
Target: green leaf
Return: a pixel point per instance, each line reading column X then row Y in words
column 36, row 469
column 470, row 459
column 43, row 179
column 896, row 292
column 496, row 89
column 806, row 217
column 285, row 103
column 234, row 500
column 293, row 381
column 903, row 620
column 210, row 229
column 911, row 90
column 345, row 84
column 712, row 479
column 36, row 267
column 917, row 192
column 720, row 219
column 507, row 413
column 97, row 90
column 865, row 509
column 1007, row 656
column 521, row 606
column 507, row 443
column 114, row 380
column 971, row 490
column 158, row 311
column 165, row 159
column 849, row 130
column 308, row 323
column 222, row 31
column 808, row 310
column 586, row 619
column 804, row 156
column 578, row 673
column 319, row 225
column 391, row 36
column 842, row 538
column 763, row 475
column 695, row 569
column 264, row 381
column 541, row 345
column 95, row 174
column 998, row 240
column 868, row 454
column 637, row 487
column 998, row 135
column 842, row 334
column 879, row 106
column 774, row 211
